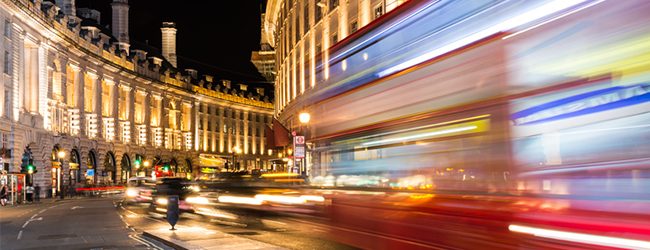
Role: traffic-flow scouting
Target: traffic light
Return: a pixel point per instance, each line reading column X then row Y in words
column 30, row 169
column 137, row 163
column 166, row 168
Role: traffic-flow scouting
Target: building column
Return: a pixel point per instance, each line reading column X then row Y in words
column 146, row 112
column 230, row 121
column 213, row 128
column 97, row 101
column 246, row 127
column 130, row 107
column 220, row 113
column 253, row 125
column 78, row 97
column 33, row 80
column 204, row 120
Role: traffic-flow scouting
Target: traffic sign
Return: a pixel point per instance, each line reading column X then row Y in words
column 300, row 140
column 293, row 133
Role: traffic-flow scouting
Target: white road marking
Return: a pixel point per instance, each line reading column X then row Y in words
column 75, row 207
column 20, row 235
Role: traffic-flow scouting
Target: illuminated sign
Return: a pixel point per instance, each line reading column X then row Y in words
column 583, row 104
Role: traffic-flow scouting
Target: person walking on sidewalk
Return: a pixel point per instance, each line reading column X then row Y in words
column 37, row 193
column 30, row 192
column 3, row 195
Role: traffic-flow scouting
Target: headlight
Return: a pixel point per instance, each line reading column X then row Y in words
column 199, row 200
column 131, row 193
column 162, row 201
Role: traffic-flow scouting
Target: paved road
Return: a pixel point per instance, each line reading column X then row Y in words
column 103, row 223
column 282, row 231
column 69, row 224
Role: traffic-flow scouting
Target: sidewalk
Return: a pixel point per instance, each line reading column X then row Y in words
column 189, row 238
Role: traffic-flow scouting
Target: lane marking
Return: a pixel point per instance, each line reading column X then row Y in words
column 20, row 235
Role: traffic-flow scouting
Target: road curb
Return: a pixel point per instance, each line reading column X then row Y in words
column 174, row 243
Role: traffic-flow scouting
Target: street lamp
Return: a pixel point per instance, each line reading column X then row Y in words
column 146, row 163
column 61, row 154
column 304, row 119
column 235, row 151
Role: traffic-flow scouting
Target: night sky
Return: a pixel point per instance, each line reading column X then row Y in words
column 217, row 36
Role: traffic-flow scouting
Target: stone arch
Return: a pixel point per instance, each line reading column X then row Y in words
column 91, row 168
column 125, row 167
column 109, row 172
column 74, row 166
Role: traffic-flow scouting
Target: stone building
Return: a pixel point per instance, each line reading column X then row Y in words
column 84, row 104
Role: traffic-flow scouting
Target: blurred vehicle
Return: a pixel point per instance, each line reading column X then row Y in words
column 172, row 186
column 139, row 190
column 486, row 125
column 246, row 198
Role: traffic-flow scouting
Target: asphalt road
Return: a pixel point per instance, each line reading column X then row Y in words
column 69, row 224
column 104, row 223
column 284, row 231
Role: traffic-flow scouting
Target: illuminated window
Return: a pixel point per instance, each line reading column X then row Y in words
column 379, row 10
column 333, row 4
column 354, row 26
column 122, row 105
column 139, row 114
column 305, row 15
column 7, row 66
column 106, row 103
column 7, row 103
column 70, row 87
column 8, row 29
column 155, row 120
column 318, row 14
column 88, row 94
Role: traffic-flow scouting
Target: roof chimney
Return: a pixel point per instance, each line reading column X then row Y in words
column 169, row 42
column 121, row 23
column 68, row 7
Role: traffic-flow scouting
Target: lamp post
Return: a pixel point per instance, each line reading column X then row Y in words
column 304, row 119
column 235, row 151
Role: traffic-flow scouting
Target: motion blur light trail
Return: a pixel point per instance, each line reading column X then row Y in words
column 582, row 238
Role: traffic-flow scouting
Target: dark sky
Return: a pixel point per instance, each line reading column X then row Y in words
column 218, row 36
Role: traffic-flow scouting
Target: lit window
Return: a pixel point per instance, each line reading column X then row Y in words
column 379, row 10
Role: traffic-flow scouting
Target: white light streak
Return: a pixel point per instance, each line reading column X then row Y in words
column 406, row 138
column 521, row 19
column 582, row 238
column 553, row 19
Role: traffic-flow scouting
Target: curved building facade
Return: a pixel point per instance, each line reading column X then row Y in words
column 82, row 105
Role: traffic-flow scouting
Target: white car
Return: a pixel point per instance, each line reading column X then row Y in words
column 139, row 190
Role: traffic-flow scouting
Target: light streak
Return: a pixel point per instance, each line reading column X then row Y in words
column 582, row 238
column 521, row 19
column 406, row 138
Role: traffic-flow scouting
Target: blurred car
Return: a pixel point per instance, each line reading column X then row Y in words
column 172, row 186
column 139, row 190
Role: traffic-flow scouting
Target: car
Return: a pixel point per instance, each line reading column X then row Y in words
column 139, row 190
column 172, row 186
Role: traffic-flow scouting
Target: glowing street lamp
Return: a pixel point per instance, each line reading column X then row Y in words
column 146, row 163
column 304, row 117
column 61, row 154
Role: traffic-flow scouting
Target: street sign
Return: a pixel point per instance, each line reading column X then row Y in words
column 172, row 210
column 300, row 140
column 293, row 133
column 300, row 152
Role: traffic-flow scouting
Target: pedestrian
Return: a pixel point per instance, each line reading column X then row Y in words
column 3, row 195
column 30, row 192
column 37, row 193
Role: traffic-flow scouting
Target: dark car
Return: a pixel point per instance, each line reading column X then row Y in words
column 172, row 186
